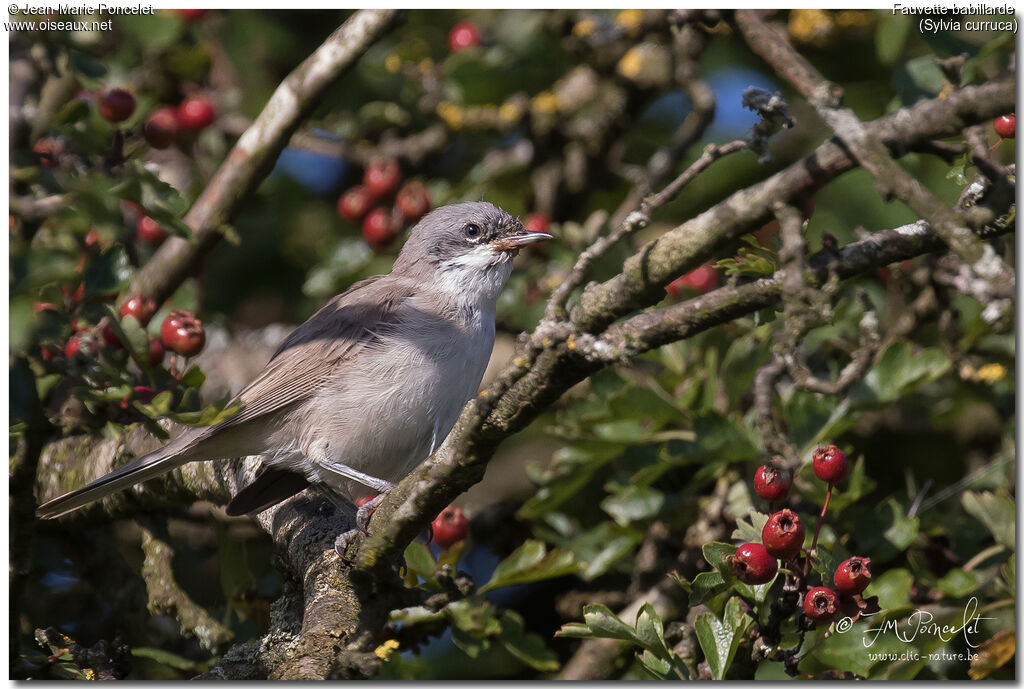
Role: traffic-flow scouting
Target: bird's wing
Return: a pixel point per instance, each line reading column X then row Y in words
column 315, row 350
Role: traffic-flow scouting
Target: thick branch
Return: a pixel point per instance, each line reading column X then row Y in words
column 255, row 152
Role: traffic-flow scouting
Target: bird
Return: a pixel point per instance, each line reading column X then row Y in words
column 370, row 385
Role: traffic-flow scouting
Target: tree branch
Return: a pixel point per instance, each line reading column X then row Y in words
column 683, row 248
column 870, row 153
column 167, row 597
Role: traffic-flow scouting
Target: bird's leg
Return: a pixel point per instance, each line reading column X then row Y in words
column 362, row 512
column 344, row 471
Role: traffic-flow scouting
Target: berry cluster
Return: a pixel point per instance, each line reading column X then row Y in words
column 380, row 224
column 93, row 345
column 782, row 538
column 162, row 128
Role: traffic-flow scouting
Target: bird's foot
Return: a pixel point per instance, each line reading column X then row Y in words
column 342, row 541
column 364, row 511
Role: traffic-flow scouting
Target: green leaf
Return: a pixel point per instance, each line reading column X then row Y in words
column 720, row 639
column 470, row 644
column 958, row 583
column 825, row 563
column 420, row 561
column 958, row 173
column 193, row 377
column 719, row 555
column 925, row 74
column 1009, row 572
column 900, row 368
column 633, row 503
column 750, row 531
column 575, row 630
column 650, row 632
column 475, row 616
column 892, row 588
column 706, row 585
column 527, row 647
column 154, row 31
column 572, row 468
column 531, row 562
column 996, row 512
column 656, row 666
column 890, row 37
column 87, row 66
column 606, row 624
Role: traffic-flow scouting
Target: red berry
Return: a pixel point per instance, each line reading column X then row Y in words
column 354, row 203
column 537, row 222
column 382, row 176
column 753, row 565
column 702, row 279
column 380, row 228
column 142, row 308
column 772, row 482
column 852, row 576
column 148, row 231
column 195, row 113
column 47, row 353
column 183, row 333
column 830, row 464
column 783, row 534
column 413, row 201
column 451, row 526
column 161, row 128
column 117, row 105
column 191, row 15
column 821, row 604
column 1005, row 126
column 463, row 35
column 111, row 339
column 79, row 344
column 156, row 351
column 49, row 151
column 143, row 393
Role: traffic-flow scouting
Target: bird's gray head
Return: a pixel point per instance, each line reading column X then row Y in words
column 465, row 247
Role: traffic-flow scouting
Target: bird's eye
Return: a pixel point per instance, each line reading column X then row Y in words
column 472, row 230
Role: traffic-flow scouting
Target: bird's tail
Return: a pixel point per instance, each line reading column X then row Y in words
column 142, row 469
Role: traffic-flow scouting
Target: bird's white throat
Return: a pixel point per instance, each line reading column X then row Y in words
column 477, row 276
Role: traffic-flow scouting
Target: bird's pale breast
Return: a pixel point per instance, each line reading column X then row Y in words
column 397, row 401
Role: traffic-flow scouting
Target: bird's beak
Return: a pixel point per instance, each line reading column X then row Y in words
column 519, row 239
